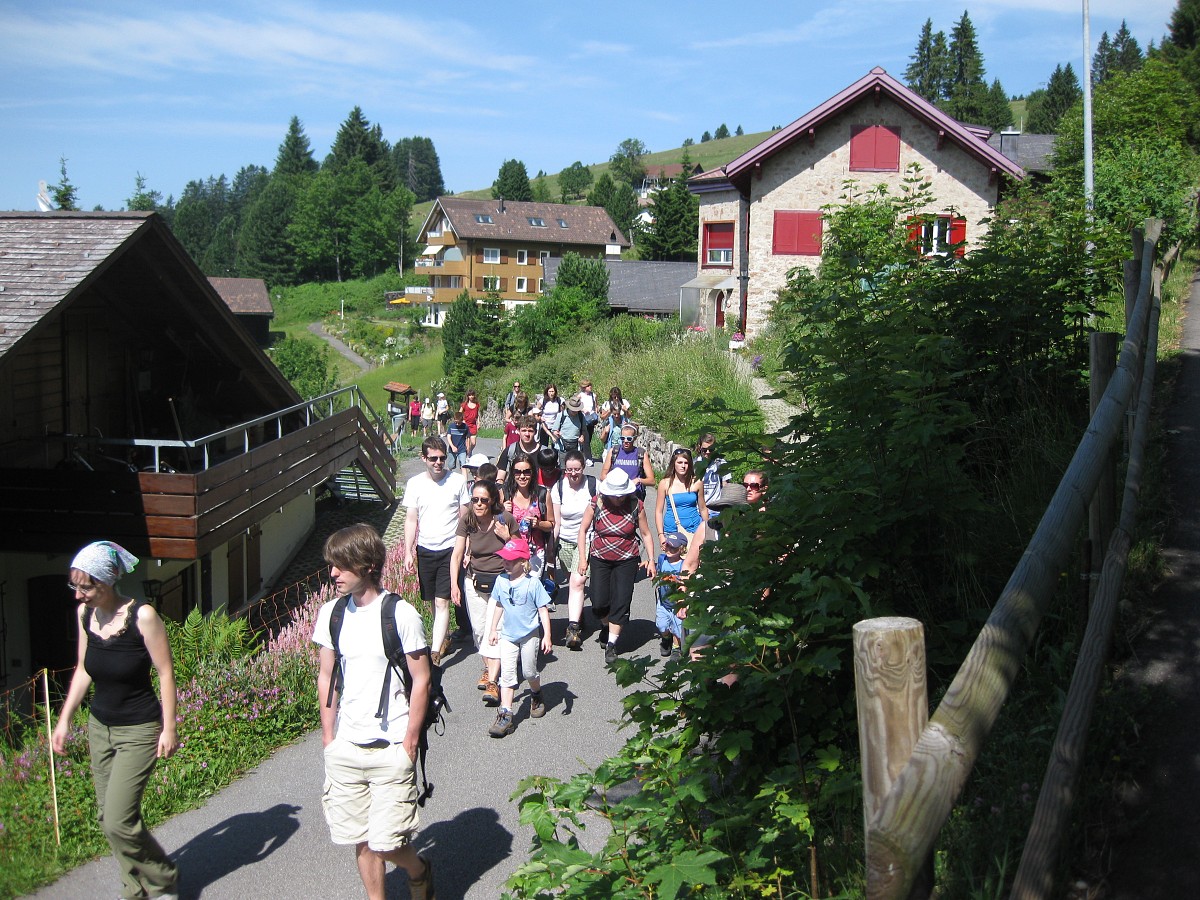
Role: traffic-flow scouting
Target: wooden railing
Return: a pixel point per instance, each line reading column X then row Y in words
column 913, row 771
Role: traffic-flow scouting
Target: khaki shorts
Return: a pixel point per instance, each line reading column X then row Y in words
column 370, row 795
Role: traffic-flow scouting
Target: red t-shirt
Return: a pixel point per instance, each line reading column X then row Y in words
column 471, row 416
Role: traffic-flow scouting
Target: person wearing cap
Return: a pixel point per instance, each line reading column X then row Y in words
column 615, row 518
column 443, row 412
column 521, row 605
column 671, row 571
column 120, row 639
column 571, row 427
column 428, row 418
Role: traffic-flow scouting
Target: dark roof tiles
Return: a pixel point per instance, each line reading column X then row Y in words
column 589, row 225
column 244, row 296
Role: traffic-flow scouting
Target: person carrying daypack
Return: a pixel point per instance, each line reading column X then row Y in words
column 570, row 498
column 373, row 735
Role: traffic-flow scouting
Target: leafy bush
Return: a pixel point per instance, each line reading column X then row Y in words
column 208, row 642
column 306, row 364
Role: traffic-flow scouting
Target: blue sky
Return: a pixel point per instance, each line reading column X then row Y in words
column 180, row 90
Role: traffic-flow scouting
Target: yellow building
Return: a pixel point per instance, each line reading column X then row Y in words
column 499, row 246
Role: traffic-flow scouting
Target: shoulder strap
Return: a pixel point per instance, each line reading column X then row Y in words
column 335, row 629
column 591, row 483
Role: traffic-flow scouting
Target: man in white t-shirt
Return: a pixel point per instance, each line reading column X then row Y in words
column 587, row 404
column 370, row 794
column 432, row 504
column 570, row 497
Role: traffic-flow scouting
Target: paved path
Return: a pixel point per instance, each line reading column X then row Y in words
column 776, row 411
column 340, row 346
column 264, row 836
column 1158, row 859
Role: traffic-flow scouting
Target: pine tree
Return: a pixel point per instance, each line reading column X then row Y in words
column 357, row 138
column 263, row 248
column 998, row 114
column 926, row 73
column 295, row 156
column 1126, row 52
column 618, row 200
column 143, row 198
column 420, row 170
column 64, row 194
column 967, row 100
column 1180, row 45
column 457, row 329
column 676, row 211
column 721, row 132
column 1104, row 62
column 705, row 138
column 738, row 132
column 1062, row 91
column 512, row 182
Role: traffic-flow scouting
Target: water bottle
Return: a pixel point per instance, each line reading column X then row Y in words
column 524, row 527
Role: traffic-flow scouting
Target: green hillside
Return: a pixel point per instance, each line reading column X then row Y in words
column 709, row 154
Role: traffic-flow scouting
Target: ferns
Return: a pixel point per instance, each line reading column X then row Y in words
column 203, row 642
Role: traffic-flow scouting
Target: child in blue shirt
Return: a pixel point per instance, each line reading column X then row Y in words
column 456, row 438
column 520, row 603
column 670, row 563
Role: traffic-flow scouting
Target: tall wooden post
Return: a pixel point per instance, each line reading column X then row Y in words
column 893, row 706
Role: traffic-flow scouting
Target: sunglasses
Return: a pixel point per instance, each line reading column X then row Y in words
column 628, row 438
column 520, row 472
column 435, row 459
column 480, row 499
column 682, row 452
column 752, row 485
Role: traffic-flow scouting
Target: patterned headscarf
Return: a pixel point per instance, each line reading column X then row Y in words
column 104, row 561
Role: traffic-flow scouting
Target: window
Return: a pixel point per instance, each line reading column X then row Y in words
column 522, row 285
column 483, row 219
column 543, row 255
column 522, row 257
column 938, row 235
column 491, row 282
column 541, row 285
column 718, row 243
column 491, row 254
column 874, row 148
column 796, row 233
column 562, row 223
column 537, row 221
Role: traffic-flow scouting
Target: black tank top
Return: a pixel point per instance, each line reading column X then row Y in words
column 120, row 670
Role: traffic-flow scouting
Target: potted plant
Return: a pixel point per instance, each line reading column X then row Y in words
column 737, row 341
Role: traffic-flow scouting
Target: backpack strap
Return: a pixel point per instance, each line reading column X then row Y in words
column 591, row 483
column 335, row 630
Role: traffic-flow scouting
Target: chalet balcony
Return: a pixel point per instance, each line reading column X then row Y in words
column 193, row 495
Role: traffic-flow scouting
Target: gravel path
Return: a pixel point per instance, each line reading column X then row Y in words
column 776, row 412
column 340, row 346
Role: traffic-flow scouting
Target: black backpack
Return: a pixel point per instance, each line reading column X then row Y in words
column 434, row 709
column 591, row 485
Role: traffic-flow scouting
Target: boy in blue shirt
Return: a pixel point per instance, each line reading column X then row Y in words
column 456, row 437
column 670, row 564
column 523, row 602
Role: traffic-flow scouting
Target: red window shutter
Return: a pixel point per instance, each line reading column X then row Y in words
column 479, row 283
column 914, row 232
column 797, row 233
column 874, row 148
column 479, row 255
column 958, row 236
column 503, row 285
column 718, row 235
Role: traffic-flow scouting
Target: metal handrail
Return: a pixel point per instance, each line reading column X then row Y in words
column 312, row 410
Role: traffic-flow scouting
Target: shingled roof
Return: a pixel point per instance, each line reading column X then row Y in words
column 640, row 286
column 510, row 220
column 45, row 257
column 244, row 296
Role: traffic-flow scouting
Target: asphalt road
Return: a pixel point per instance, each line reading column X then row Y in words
column 265, row 837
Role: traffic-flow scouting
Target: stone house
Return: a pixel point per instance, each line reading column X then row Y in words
column 761, row 214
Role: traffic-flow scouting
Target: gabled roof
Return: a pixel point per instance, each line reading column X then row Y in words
column 49, row 260
column 510, row 221
column 639, row 286
column 244, row 296
column 876, row 83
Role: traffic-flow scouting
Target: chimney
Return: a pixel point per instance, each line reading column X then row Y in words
column 501, row 207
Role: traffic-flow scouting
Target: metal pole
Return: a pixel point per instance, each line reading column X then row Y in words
column 1089, row 186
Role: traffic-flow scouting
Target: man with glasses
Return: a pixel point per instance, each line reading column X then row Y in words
column 510, row 402
column 432, row 503
column 527, row 442
column 632, row 459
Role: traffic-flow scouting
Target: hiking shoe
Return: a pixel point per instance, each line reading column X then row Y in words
column 610, row 654
column 675, row 654
column 503, row 725
column 537, row 708
column 664, row 644
column 602, row 637
column 574, row 638
column 484, row 680
column 444, row 650
column 422, row 888
column 491, row 694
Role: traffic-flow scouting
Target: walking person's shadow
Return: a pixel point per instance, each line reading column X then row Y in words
column 463, row 849
column 240, row 840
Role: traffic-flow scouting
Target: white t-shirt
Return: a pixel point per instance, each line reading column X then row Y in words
column 436, row 507
column 570, row 508
column 587, row 402
column 364, row 665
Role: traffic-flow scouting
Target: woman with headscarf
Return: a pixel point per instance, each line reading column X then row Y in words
column 129, row 728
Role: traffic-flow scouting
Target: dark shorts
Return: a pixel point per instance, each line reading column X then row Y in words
column 433, row 573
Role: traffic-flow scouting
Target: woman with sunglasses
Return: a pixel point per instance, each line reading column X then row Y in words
column 680, row 502
column 628, row 456
column 482, row 532
column 755, row 483
column 529, row 505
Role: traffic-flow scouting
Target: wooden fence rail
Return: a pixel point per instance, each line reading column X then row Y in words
column 905, row 822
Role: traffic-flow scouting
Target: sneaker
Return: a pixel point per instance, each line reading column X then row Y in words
column 503, row 724
column 574, row 637
column 610, row 654
column 491, row 694
column 422, row 888
column 602, row 637
column 676, row 655
column 537, row 708
column 664, row 644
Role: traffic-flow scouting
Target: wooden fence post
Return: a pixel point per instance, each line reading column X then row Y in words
column 893, row 708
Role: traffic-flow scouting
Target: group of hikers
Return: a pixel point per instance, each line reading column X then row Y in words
column 498, row 541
